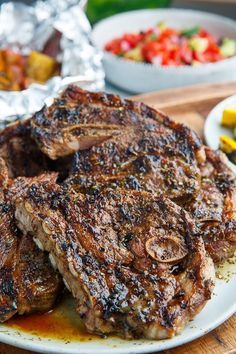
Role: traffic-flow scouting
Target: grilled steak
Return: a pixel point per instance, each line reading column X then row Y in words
column 22, row 155
column 20, row 152
column 133, row 146
column 120, row 133
column 132, row 259
column 215, row 206
column 143, row 150
column 27, row 281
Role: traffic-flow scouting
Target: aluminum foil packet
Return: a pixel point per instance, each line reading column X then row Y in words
column 25, row 28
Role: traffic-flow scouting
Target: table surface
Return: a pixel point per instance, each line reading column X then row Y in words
column 190, row 106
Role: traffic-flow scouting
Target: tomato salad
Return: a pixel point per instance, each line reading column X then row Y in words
column 166, row 46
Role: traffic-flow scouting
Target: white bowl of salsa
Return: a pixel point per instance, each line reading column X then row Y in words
column 157, row 71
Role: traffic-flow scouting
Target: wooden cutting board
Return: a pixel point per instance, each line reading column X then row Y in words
column 189, row 105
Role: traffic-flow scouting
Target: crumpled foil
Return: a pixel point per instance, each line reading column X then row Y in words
column 24, row 28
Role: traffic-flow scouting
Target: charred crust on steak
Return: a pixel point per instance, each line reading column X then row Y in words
column 134, row 260
column 27, row 282
column 214, row 207
column 120, row 288
column 143, row 150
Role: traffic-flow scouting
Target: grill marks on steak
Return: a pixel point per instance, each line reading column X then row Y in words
column 84, row 115
column 214, row 208
column 131, row 259
column 27, row 281
column 8, row 249
column 152, row 173
column 148, row 158
column 143, row 150
column 102, row 227
column 136, row 139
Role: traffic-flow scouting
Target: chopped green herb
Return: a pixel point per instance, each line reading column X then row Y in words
column 190, row 31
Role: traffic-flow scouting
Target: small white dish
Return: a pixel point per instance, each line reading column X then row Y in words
column 213, row 129
column 140, row 77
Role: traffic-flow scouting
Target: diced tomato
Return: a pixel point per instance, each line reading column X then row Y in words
column 186, row 52
column 151, row 50
column 132, row 38
column 211, row 57
column 114, row 46
column 213, row 48
column 168, row 46
column 168, row 33
column 170, row 62
column 205, row 34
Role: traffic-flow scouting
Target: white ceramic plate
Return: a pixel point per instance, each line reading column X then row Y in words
column 139, row 77
column 213, row 129
column 218, row 309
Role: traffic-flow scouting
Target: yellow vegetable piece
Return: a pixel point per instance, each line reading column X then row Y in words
column 228, row 47
column 134, row 54
column 162, row 26
column 198, row 44
column 227, row 144
column 40, row 67
column 229, row 117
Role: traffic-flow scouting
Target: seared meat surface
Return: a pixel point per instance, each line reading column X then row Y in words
column 143, row 150
column 133, row 260
column 132, row 217
column 119, row 136
column 126, row 144
column 22, row 155
column 28, row 283
column 20, row 152
column 154, row 169
column 214, row 208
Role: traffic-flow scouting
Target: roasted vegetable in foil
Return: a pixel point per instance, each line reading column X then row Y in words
column 41, row 67
column 17, row 71
column 55, row 28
